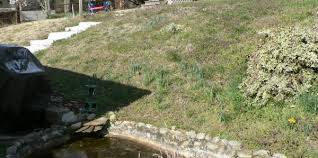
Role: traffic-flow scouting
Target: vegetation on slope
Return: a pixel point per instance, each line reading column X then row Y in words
column 192, row 58
column 22, row 34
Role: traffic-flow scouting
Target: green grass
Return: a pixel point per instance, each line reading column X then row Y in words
column 192, row 58
column 2, row 150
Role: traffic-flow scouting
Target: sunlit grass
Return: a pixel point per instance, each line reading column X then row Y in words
column 192, row 57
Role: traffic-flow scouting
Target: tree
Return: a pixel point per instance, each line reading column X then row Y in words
column 45, row 5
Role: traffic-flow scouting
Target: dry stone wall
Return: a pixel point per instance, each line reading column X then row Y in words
column 186, row 143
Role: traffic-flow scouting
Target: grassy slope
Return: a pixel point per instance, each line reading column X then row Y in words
column 193, row 74
column 21, row 34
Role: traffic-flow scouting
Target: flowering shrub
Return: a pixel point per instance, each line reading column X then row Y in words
column 284, row 66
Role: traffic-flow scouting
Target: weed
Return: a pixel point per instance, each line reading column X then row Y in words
column 173, row 56
column 136, row 68
column 161, row 78
column 309, row 101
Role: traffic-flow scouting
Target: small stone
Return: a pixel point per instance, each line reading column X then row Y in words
column 185, row 144
column 277, row 155
column 69, row 117
column 200, row 136
column 173, row 128
column 140, row 124
column 196, row 143
column 207, row 138
column 216, row 139
column 76, row 126
column 191, row 134
column 45, row 138
column 12, row 156
column 211, row 146
column 188, row 153
column 244, row 154
column 261, row 153
column 91, row 116
column 149, row 126
column 163, row 131
column 12, row 150
column 235, row 145
column 112, row 118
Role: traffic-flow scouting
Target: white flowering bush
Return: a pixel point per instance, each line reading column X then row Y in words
column 284, row 66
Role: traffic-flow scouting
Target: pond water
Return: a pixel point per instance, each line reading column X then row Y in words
column 109, row 147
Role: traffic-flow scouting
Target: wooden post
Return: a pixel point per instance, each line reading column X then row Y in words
column 19, row 10
column 66, row 6
column 80, row 7
column 73, row 12
column 48, row 7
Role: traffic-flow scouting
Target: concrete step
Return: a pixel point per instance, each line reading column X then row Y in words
column 60, row 35
column 38, row 45
column 34, row 49
column 44, row 43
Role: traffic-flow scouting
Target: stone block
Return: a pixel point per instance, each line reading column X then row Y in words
column 53, row 114
column 69, row 117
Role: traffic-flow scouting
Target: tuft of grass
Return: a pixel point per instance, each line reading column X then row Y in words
column 309, row 101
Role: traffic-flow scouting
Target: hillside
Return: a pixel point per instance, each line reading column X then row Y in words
column 192, row 58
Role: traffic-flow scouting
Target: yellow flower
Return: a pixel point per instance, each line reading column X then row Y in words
column 292, row 120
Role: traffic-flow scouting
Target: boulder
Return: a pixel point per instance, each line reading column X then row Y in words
column 69, row 117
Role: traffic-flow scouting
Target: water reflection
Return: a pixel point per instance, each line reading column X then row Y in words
column 105, row 148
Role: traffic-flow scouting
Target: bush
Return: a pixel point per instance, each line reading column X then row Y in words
column 284, row 66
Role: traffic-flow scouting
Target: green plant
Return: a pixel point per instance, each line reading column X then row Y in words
column 162, row 79
column 136, row 68
column 309, row 101
column 173, row 56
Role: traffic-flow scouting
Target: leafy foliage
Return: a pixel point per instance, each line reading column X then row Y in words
column 284, row 66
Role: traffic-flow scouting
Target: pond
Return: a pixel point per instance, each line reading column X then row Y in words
column 109, row 147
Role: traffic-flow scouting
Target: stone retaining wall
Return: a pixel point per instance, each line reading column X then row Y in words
column 38, row 141
column 179, row 143
column 185, row 143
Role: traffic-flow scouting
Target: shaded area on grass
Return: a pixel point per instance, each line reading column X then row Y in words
column 111, row 96
column 2, row 150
